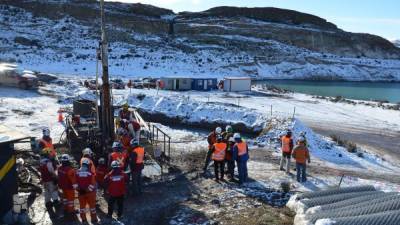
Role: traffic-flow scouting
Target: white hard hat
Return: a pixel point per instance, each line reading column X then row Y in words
column 115, row 164
column 218, row 130
column 301, row 139
column 65, row 158
column 228, row 128
column 102, row 161
column 236, row 136
column 87, row 151
column 46, row 132
column 116, row 145
column 85, row 162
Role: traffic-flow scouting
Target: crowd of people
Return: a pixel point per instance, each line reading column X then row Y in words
column 120, row 173
column 115, row 176
column 226, row 148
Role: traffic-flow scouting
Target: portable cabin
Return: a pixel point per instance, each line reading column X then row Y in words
column 177, row 83
column 236, row 84
column 204, row 84
column 8, row 172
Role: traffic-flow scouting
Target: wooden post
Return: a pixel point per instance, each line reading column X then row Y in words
column 271, row 110
column 294, row 112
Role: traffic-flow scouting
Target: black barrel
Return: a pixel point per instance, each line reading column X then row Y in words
column 8, row 177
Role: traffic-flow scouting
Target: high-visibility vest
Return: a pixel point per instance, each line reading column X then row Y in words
column 118, row 156
column 286, row 144
column 219, row 151
column 242, row 148
column 139, row 154
column 49, row 144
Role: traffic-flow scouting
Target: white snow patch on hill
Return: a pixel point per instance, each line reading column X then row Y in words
column 66, row 46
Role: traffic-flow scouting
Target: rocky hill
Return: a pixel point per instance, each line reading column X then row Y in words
column 396, row 43
column 62, row 36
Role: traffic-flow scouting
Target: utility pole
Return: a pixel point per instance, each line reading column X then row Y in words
column 107, row 115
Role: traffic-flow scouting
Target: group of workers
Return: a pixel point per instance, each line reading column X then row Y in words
column 229, row 147
column 299, row 152
column 116, row 176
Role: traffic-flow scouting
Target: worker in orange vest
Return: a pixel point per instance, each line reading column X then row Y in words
column 47, row 142
column 136, row 159
column 211, row 139
column 101, row 171
column 87, row 153
column 117, row 155
column 218, row 155
column 67, row 184
column 87, row 191
column 125, row 139
column 287, row 146
column 301, row 155
column 116, row 187
column 241, row 155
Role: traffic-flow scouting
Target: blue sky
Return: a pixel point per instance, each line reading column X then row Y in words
column 381, row 17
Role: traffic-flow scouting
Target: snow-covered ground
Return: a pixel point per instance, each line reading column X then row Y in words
column 28, row 112
column 48, row 51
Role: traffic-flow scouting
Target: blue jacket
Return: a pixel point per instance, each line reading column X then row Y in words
column 242, row 158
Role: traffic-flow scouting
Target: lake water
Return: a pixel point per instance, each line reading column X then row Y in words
column 352, row 90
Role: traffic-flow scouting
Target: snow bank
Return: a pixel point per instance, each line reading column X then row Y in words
column 191, row 111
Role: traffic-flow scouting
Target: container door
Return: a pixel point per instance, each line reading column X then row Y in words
column 205, row 84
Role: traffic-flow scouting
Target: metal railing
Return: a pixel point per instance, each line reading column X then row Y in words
column 154, row 137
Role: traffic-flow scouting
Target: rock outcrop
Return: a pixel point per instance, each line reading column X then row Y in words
column 269, row 42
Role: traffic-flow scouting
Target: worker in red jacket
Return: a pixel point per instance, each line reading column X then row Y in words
column 67, row 184
column 134, row 129
column 101, row 172
column 48, row 178
column 116, row 181
column 87, row 192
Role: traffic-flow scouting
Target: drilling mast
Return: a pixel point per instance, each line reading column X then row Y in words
column 107, row 112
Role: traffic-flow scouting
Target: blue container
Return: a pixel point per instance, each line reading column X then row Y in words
column 204, row 84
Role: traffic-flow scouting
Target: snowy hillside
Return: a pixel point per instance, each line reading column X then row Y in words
column 396, row 43
column 66, row 44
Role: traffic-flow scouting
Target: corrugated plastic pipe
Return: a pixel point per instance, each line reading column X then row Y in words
column 353, row 201
column 333, row 198
column 359, row 209
column 383, row 218
column 335, row 190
